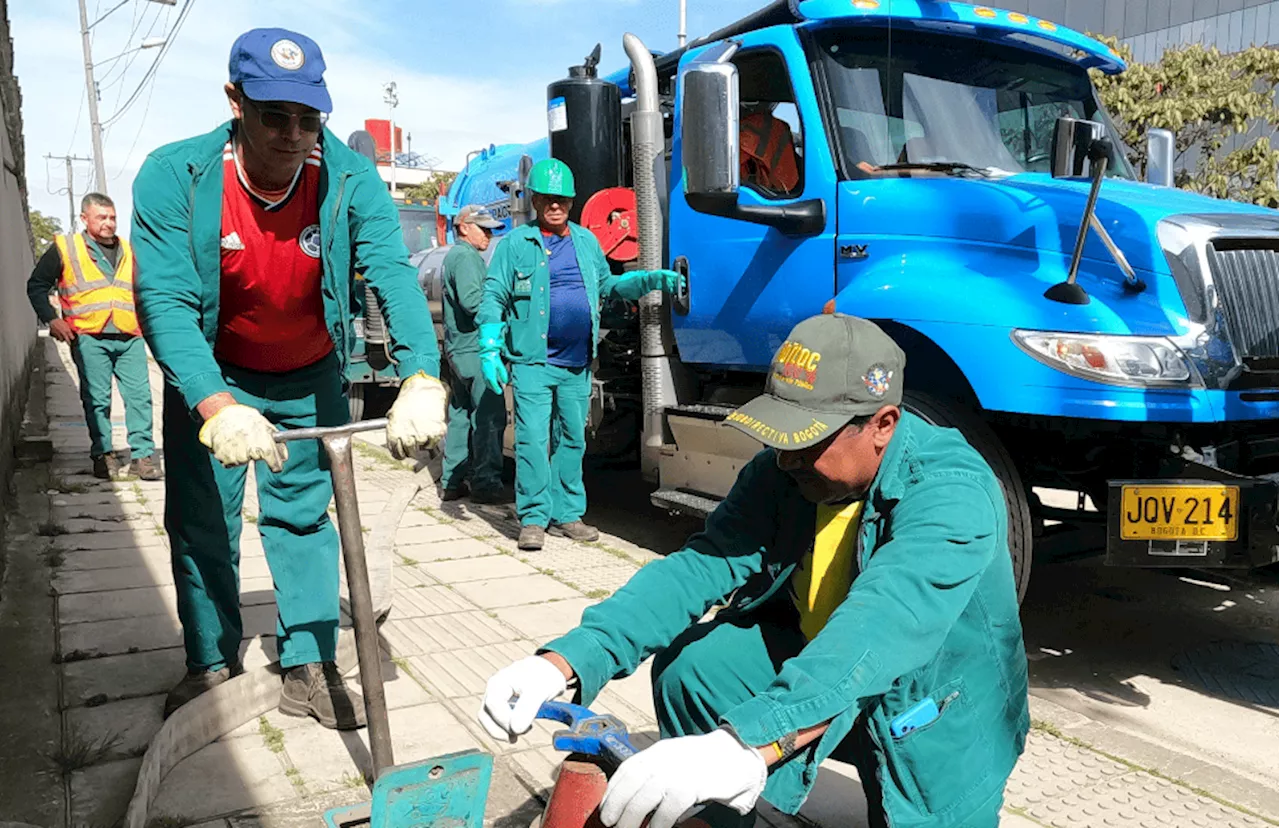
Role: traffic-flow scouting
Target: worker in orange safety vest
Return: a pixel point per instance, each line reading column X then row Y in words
column 93, row 274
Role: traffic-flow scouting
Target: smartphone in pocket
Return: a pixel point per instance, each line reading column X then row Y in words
column 917, row 716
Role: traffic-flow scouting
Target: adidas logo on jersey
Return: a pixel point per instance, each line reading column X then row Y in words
column 231, row 241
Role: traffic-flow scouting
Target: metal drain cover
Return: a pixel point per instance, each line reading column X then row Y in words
column 1245, row 671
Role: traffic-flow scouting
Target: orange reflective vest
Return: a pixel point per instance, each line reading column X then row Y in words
column 768, row 153
column 89, row 299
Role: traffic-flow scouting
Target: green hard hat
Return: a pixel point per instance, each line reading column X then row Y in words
column 551, row 177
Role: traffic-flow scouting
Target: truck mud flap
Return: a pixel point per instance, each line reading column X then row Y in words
column 1208, row 518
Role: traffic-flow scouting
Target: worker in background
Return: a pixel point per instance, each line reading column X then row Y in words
column 874, row 615
column 477, row 415
column 93, row 272
column 247, row 239
column 767, row 151
column 541, row 312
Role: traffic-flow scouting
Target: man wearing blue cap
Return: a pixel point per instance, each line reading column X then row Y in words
column 246, row 240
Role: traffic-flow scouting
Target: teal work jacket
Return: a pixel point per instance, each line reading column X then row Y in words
column 462, row 281
column 177, row 230
column 517, row 289
column 932, row 612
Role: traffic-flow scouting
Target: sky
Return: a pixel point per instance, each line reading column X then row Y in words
column 468, row 74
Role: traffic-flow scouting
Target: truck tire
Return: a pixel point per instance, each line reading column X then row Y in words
column 951, row 415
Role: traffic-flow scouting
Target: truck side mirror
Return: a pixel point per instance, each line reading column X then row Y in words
column 1072, row 138
column 709, row 152
column 709, row 131
column 1160, row 157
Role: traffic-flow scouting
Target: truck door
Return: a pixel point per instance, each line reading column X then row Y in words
column 749, row 283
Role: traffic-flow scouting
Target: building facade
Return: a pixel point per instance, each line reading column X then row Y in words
column 1151, row 26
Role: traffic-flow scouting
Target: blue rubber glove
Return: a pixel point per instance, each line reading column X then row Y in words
column 638, row 283
column 491, row 367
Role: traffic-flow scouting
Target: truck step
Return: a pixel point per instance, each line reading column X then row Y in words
column 701, row 412
column 686, row 503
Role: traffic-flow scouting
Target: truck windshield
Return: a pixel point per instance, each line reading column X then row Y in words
column 917, row 103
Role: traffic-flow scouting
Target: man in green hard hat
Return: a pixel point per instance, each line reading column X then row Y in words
column 541, row 313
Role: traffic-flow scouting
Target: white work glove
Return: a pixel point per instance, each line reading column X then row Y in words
column 674, row 776
column 238, row 434
column 417, row 417
column 532, row 680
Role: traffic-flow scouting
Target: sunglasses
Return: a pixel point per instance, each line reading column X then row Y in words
column 279, row 120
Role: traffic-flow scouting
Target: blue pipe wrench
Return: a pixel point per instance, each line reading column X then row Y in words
column 594, row 734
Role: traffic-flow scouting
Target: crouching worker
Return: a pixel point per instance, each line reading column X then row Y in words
column 874, row 616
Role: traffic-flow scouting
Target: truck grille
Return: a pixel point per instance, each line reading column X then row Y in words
column 1245, row 272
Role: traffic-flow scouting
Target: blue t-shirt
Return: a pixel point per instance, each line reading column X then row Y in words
column 569, row 328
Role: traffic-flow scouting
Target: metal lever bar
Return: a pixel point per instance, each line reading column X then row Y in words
column 337, row 445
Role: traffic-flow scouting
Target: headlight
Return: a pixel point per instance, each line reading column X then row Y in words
column 1141, row 361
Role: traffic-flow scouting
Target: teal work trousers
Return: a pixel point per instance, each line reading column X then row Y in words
column 477, row 419
column 551, row 408
column 98, row 359
column 202, row 515
column 712, row 667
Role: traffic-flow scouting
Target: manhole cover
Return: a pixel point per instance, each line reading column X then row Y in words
column 1242, row 670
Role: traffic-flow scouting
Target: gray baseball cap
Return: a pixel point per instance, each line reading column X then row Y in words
column 831, row 369
column 478, row 215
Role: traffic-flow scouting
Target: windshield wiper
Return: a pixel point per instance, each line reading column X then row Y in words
column 936, row 166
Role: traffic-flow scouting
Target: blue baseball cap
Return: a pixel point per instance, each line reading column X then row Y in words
column 280, row 65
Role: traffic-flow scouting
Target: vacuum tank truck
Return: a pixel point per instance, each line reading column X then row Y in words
column 948, row 171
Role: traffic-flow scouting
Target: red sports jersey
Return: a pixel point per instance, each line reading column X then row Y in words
column 271, row 311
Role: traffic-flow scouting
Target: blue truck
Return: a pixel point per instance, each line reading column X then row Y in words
column 948, row 171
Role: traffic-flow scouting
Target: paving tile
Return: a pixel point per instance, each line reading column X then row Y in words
column 111, row 540
column 121, row 603
column 413, row 517
column 223, row 777
column 462, row 673
column 103, row 580
column 88, row 526
column 520, row 589
column 476, row 569
column 446, row 550
column 636, row 689
column 542, row 622
column 427, row 730
column 142, row 674
column 427, row 534
column 120, row 635
column 431, row 600
column 128, row 724
column 100, row 794
column 410, row 577
column 541, row 764
column 156, row 558
column 436, row 633
column 108, row 509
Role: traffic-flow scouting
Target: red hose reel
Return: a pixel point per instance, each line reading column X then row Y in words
column 611, row 215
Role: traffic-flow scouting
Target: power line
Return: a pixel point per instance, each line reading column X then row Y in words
column 155, row 64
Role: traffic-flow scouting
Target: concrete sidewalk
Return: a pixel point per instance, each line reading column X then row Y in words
column 466, row 603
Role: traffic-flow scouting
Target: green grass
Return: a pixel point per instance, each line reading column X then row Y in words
column 250, row 518
column 53, row 556
column 272, row 736
column 295, row 776
column 166, row 821
column 50, row 529
column 598, row 593
column 375, row 454
column 139, row 495
column 407, row 561
column 79, row 751
column 351, row 780
column 160, row 531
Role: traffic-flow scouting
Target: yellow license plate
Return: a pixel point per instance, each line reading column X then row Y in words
column 1207, row 513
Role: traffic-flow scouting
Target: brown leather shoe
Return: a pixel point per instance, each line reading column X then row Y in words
column 318, row 691
column 577, row 530
column 531, row 537
column 194, row 684
column 456, row 493
column 147, row 469
column 106, row 467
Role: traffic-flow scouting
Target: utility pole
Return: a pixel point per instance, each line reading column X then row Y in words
column 389, row 95
column 91, row 93
column 71, row 194
column 680, row 35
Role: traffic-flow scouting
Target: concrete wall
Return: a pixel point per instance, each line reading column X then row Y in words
column 17, row 322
